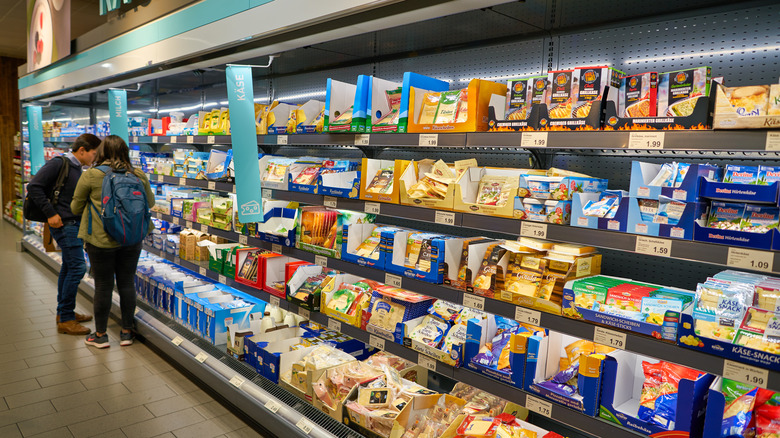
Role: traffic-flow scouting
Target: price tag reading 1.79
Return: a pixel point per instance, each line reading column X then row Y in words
column 610, row 338
column 653, row 246
column 538, row 405
column 745, row 373
column 473, row 301
column 533, row 229
column 528, row 316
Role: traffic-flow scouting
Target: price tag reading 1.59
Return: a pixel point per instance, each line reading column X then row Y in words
column 653, row 246
column 610, row 338
column 426, row 362
column 534, row 140
column 473, row 301
column 528, row 316
column 745, row 373
column 646, row 140
column 750, row 259
column 538, row 405
column 445, row 218
column 533, row 229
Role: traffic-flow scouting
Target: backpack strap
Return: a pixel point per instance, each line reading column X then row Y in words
column 61, row 178
column 107, row 170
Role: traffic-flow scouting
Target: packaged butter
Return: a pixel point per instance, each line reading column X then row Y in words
column 590, row 85
column 562, row 90
column 678, row 91
column 638, row 96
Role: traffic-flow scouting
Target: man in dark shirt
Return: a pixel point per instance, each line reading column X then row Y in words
column 64, row 226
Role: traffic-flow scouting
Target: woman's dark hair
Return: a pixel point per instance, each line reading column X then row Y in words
column 113, row 152
column 86, row 141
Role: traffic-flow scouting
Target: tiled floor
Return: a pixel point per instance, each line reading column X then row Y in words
column 52, row 385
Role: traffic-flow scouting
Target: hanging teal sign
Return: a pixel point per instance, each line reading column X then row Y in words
column 35, row 130
column 117, row 110
column 244, row 136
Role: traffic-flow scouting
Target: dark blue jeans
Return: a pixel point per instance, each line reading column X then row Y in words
column 72, row 271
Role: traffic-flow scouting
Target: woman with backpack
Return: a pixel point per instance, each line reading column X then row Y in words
column 113, row 199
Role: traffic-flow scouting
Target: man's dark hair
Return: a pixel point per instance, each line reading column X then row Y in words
column 86, row 141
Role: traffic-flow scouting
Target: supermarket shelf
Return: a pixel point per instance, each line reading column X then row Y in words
column 12, row 221
column 634, row 342
column 218, row 370
column 566, row 416
column 702, row 252
column 682, row 140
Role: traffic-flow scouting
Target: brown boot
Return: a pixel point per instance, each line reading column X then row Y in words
column 72, row 327
column 79, row 318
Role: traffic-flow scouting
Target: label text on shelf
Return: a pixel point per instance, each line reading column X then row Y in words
column 154, row 139
column 533, row 229
column 653, row 246
column 334, row 324
column 535, row 404
column 275, row 247
column 237, row 381
column 210, row 139
column 190, row 139
column 745, row 373
column 204, row 228
column 243, row 239
column 428, row 140
column 182, row 181
column 321, row 261
column 610, row 338
column 393, row 280
column 376, row 342
column 273, row 406
column 372, row 207
column 268, row 193
column 274, row 300
column 201, row 357
column 646, row 140
column 222, row 279
column 534, row 140
column 473, row 301
column 304, row 313
column 281, row 139
column 135, row 139
column 177, row 341
column 426, row 362
column 528, row 316
column 750, row 259
column 212, row 185
column 202, row 271
column 362, row 139
column 330, row 201
column 445, row 218
column 772, row 141
column 305, row 425
column 173, row 139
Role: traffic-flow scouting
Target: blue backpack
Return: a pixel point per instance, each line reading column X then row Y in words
column 125, row 212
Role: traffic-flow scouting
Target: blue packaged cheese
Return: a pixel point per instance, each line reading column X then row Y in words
column 768, row 175
column 726, row 216
column 760, row 219
column 741, row 174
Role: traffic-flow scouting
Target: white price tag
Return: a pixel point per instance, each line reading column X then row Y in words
column 281, row 139
column 372, row 207
column 534, row 140
column 426, row 362
column 304, row 313
column 330, row 201
column 204, row 228
column 182, row 181
column 393, row 280
column 201, row 357
column 533, row 229
column 276, row 248
column 745, row 373
column 237, row 381
column 155, row 139
column 173, row 139
column 274, row 300
column 202, row 271
column 610, row 338
column 653, row 246
column 273, row 406
column 429, row 140
column 334, row 325
column 135, row 139
column 528, row 316
column 305, row 425
column 751, row 259
column 188, row 224
column 222, row 279
column 177, row 341
column 376, row 342
column 362, row 139
column 473, row 301
column 646, row 140
column 535, row 404
column 242, row 239
column 772, row 141
column 212, row 185
column 210, row 139
column 160, row 178
column 267, row 193
column 321, row 261
column 445, row 218
column 190, row 139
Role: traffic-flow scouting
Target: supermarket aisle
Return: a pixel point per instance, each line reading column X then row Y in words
column 53, row 385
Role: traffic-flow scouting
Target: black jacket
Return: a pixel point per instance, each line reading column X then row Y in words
column 42, row 184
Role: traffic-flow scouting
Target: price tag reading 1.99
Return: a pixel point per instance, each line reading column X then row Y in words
column 534, row 140
column 429, row 140
column 533, row 229
column 745, row 373
column 646, row 140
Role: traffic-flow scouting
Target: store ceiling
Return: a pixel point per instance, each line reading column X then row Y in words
column 84, row 16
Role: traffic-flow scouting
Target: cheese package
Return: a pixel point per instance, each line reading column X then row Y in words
column 678, row 91
column 429, row 106
column 562, row 91
column 382, row 181
column 638, row 95
column 748, row 101
column 741, row 174
column 391, row 118
column 448, row 107
column 760, row 219
column 519, row 97
column 463, row 107
column 386, row 314
column 726, row 216
column 773, row 109
column 590, row 83
column 493, row 190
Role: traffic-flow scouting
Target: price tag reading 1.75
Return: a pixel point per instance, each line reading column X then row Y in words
column 445, row 218
column 473, row 301
column 745, row 373
column 538, row 405
column 653, row 246
column 610, row 338
column 426, row 362
column 528, row 316
column 372, row 207
column 533, row 229
column 750, row 259
column 646, row 140
column 534, row 140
